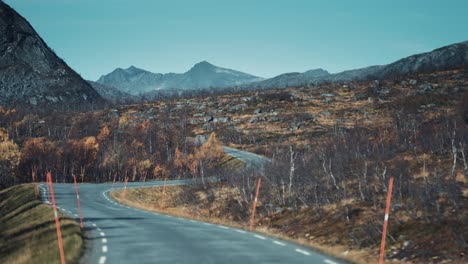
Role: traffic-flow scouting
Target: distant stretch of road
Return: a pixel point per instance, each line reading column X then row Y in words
column 120, row 234
column 251, row 159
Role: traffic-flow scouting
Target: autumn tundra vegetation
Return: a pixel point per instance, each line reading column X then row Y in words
column 332, row 148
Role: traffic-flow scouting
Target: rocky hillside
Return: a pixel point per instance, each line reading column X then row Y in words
column 31, row 73
column 291, row 79
column 202, row 75
column 111, row 93
column 450, row 57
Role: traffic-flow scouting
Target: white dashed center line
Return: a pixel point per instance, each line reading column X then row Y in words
column 104, row 249
column 260, row 237
column 102, row 260
column 279, row 243
column 298, row 250
column 104, row 240
column 102, row 234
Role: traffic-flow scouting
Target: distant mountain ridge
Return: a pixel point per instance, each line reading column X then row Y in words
column 206, row 75
column 31, row 73
column 449, row 57
column 202, row 75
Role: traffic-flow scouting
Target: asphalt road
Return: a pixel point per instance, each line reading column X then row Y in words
column 251, row 159
column 120, row 234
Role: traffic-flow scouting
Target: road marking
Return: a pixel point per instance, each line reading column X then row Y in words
column 329, row 261
column 98, row 229
column 208, row 224
column 104, row 249
column 94, row 224
column 75, row 215
column 102, row 234
column 104, row 240
column 193, row 221
column 240, row 231
column 102, row 260
column 279, row 243
column 223, row 227
column 260, row 237
column 298, row 250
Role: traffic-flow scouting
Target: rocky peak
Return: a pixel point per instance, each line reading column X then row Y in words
column 31, row 73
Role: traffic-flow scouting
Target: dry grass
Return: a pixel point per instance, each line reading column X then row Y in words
column 28, row 233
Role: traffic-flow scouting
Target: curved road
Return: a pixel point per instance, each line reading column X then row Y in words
column 251, row 159
column 120, row 234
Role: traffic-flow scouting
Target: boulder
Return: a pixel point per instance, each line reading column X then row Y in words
column 208, row 118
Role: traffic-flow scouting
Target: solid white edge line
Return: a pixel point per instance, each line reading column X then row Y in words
column 298, row 250
column 223, row 227
column 240, row 231
column 260, row 237
column 329, row 261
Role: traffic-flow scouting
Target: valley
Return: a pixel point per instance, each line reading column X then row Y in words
column 324, row 146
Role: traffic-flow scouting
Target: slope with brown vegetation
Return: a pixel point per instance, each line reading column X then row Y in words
column 333, row 148
column 27, row 229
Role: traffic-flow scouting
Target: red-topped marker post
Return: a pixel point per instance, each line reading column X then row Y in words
column 163, row 193
column 57, row 221
column 78, row 201
column 255, row 203
column 387, row 212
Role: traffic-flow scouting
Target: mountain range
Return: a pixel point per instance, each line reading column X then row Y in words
column 31, row 73
column 202, row 75
column 206, row 75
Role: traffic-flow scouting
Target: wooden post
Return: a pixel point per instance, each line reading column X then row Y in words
column 387, row 212
column 113, row 182
column 33, row 176
column 163, row 194
column 57, row 221
column 255, row 204
column 125, row 187
column 78, row 201
column 49, row 182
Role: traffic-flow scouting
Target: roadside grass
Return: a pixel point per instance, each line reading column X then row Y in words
column 28, row 232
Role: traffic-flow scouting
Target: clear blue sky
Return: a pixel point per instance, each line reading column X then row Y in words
column 265, row 38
